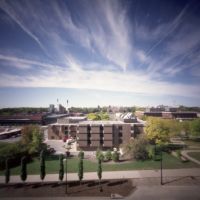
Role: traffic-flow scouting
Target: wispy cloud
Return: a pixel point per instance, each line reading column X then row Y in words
column 107, row 34
column 96, row 50
column 93, row 79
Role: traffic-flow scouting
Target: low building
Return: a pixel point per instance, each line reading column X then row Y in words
column 96, row 134
column 22, row 119
column 9, row 132
column 168, row 115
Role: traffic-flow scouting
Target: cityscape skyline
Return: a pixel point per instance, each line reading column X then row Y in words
column 100, row 53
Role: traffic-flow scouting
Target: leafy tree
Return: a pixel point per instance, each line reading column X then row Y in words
column 42, row 165
column 81, row 154
column 32, row 139
column 195, row 128
column 137, row 148
column 151, row 152
column 80, row 169
column 61, row 171
column 185, row 127
column 99, row 170
column 115, row 156
column 98, row 116
column 7, row 171
column 23, row 169
column 108, row 155
column 157, row 130
column 36, row 144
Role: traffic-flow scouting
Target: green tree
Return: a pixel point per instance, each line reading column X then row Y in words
column 195, row 128
column 7, row 171
column 23, row 169
column 108, row 155
column 32, row 139
column 80, row 169
column 185, row 127
column 99, row 170
column 157, row 130
column 137, row 148
column 99, row 155
column 42, row 165
column 61, row 171
column 37, row 140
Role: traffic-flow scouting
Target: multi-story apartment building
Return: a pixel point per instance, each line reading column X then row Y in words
column 96, row 134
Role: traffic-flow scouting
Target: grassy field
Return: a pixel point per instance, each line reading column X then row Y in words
column 52, row 165
column 192, row 143
column 195, row 155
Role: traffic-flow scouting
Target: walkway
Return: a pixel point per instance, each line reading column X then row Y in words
column 112, row 175
column 184, row 153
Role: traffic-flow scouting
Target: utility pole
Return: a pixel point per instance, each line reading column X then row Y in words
column 66, row 172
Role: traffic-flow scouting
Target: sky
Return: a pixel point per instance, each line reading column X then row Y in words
column 99, row 52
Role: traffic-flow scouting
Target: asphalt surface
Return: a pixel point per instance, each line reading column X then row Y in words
column 142, row 193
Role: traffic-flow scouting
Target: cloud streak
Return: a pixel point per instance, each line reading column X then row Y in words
column 96, row 49
column 102, row 80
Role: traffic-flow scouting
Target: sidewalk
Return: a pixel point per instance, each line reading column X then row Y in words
column 185, row 154
column 111, row 175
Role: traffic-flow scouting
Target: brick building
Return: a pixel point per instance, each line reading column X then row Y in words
column 96, row 134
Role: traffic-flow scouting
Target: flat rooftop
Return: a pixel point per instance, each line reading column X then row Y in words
column 101, row 122
column 90, row 122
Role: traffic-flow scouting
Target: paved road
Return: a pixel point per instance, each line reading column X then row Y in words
column 166, row 193
column 142, row 192
column 113, row 175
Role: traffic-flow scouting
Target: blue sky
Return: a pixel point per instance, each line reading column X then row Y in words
column 100, row 52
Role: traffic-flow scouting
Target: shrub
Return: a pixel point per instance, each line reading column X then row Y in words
column 99, row 155
column 115, row 156
column 80, row 169
column 7, row 172
column 99, row 170
column 42, row 166
column 151, row 152
column 61, row 171
column 108, row 155
column 23, row 169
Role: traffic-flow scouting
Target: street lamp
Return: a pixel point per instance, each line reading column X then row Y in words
column 161, row 167
column 158, row 152
column 66, row 170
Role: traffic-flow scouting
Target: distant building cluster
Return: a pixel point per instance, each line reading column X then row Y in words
column 58, row 109
column 166, row 112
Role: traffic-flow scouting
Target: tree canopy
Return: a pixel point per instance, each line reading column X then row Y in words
column 98, row 116
column 195, row 127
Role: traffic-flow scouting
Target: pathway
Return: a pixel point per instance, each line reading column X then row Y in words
column 184, row 153
column 112, row 175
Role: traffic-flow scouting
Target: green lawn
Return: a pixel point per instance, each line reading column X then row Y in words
column 52, row 165
column 4, row 144
column 195, row 155
column 192, row 143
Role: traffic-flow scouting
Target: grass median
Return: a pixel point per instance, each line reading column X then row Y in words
column 52, row 165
